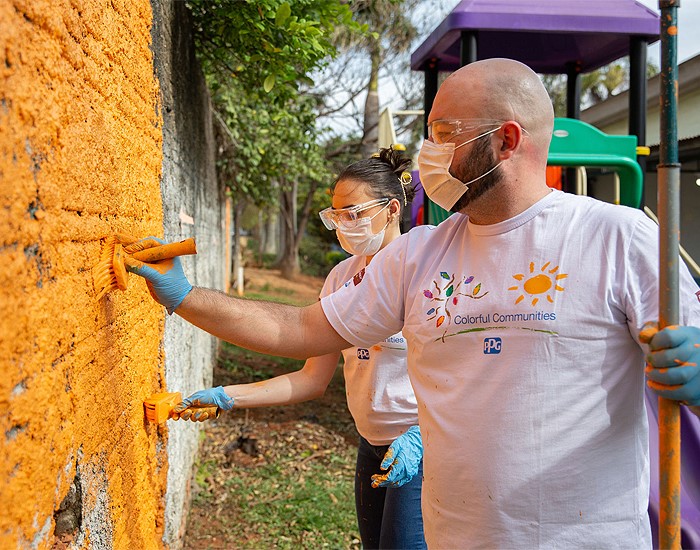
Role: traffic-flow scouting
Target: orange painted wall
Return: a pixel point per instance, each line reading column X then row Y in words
column 80, row 157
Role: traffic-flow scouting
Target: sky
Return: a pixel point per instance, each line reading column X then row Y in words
column 433, row 12
column 688, row 26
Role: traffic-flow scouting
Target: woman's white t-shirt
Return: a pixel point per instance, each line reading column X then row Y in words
column 379, row 393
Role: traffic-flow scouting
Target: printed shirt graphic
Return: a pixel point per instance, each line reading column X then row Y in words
column 530, row 388
column 379, row 393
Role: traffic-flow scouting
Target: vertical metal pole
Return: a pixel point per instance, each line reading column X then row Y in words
column 467, row 48
column 669, row 234
column 573, row 110
column 431, row 87
column 638, row 100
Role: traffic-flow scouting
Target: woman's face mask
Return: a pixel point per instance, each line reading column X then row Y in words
column 434, row 162
column 359, row 240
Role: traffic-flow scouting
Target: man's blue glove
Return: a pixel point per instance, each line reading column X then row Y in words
column 202, row 405
column 402, row 459
column 165, row 279
column 673, row 370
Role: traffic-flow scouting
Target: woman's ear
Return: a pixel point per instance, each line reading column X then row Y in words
column 394, row 208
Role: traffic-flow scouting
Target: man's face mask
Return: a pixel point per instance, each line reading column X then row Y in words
column 434, row 160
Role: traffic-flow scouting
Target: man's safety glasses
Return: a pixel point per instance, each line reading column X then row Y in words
column 347, row 217
column 442, row 131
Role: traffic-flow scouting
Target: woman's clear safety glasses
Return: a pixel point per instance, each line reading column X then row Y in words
column 347, row 217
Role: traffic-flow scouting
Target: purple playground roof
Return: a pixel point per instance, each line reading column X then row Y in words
column 546, row 35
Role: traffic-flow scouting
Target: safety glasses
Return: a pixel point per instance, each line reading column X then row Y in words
column 444, row 130
column 347, row 217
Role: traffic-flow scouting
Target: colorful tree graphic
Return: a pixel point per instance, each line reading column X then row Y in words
column 447, row 293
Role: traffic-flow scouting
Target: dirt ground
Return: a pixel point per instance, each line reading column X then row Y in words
column 304, row 288
column 240, row 443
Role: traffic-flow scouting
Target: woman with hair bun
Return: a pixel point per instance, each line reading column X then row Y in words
column 368, row 200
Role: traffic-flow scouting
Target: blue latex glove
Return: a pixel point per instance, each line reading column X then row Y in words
column 187, row 408
column 165, row 279
column 673, row 370
column 402, row 459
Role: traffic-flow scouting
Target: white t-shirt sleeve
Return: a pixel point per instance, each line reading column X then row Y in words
column 642, row 281
column 370, row 307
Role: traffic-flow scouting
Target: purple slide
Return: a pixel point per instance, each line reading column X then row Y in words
column 690, row 474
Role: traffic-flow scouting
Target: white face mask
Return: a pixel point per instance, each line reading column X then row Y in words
column 434, row 162
column 359, row 240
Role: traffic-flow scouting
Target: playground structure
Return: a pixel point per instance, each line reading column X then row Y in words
column 572, row 38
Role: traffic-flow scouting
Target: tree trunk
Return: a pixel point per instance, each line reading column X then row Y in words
column 237, row 260
column 288, row 258
column 370, row 138
column 294, row 227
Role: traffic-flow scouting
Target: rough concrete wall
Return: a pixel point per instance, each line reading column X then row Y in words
column 81, row 155
column 193, row 206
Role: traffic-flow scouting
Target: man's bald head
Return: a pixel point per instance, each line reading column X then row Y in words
column 498, row 89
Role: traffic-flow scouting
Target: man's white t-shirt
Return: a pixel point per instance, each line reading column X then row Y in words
column 524, row 357
column 379, row 392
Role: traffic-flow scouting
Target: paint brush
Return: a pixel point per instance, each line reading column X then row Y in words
column 159, row 407
column 110, row 272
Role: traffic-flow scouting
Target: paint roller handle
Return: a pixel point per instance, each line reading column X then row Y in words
column 166, row 251
column 196, row 414
column 194, row 407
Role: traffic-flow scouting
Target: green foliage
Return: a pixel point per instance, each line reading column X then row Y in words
column 596, row 86
column 256, row 56
column 312, row 255
column 334, row 257
column 267, row 44
column 267, row 145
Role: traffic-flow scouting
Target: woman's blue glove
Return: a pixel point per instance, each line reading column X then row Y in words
column 673, row 370
column 199, row 405
column 402, row 459
column 165, row 279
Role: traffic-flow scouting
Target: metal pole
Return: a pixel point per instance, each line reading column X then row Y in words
column 669, row 234
column 431, row 88
column 573, row 110
column 638, row 100
column 467, row 48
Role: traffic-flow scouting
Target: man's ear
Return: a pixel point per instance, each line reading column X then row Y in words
column 511, row 135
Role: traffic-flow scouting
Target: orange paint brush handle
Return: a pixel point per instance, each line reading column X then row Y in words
column 166, row 251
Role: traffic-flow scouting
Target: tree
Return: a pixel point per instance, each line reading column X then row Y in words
column 255, row 55
column 596, row 86
column 391, row 31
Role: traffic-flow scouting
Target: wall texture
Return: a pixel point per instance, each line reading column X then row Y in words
column 88, row 145
column 193, row 206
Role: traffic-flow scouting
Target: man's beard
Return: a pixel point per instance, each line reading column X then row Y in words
column 479, row 162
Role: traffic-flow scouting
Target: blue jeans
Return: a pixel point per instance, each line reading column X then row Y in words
column 388, row 517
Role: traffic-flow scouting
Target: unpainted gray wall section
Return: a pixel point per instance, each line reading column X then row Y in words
column 193, row 206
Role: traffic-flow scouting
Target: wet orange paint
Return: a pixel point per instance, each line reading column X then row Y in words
column 81, row 144
column 669, row 472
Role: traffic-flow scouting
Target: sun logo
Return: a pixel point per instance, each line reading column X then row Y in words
column 538, row 284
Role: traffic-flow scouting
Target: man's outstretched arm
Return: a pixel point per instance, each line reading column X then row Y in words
column 265, row 327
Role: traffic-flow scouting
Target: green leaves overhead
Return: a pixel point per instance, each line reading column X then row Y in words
column 268, row 43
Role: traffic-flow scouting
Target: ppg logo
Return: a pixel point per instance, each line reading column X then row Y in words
column 492, row 345
column 362, row 353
